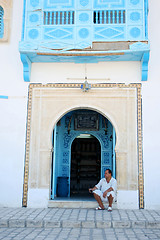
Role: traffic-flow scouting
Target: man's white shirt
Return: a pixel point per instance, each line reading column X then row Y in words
column 103, row 185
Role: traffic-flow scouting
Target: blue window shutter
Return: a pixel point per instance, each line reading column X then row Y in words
column 1, row 22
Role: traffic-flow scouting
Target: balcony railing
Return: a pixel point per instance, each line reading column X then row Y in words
column 58, row 18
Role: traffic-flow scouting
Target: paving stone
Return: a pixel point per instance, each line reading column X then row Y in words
column 71, row 224
column 88, row 224
column 33, row 223
column 103, row 224
column 121, row 224
column 153, row 224
column 52, row 224
column 3, row 223
column 138, row 224
column 17, row 223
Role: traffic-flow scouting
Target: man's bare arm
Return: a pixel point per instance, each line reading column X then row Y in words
column 108, row 190
column 92, row 189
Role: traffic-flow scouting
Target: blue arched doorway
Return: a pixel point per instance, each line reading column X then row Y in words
column 68, row 131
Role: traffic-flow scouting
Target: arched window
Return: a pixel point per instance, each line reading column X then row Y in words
column 1, row 22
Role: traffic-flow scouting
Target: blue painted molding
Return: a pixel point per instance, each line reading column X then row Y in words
column 23, row 21
column 3, row 97
column 26, row 67
column 146, row 17
column 144, row 61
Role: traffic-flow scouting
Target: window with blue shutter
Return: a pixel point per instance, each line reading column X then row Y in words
column 1, row 22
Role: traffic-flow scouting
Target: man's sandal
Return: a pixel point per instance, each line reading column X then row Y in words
column 109, row 209
column 99, row 208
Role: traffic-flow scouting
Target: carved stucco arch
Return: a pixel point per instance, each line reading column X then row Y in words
column 85, row 107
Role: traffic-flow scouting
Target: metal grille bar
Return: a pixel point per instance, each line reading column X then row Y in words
column 58, row 18
column 109, row 17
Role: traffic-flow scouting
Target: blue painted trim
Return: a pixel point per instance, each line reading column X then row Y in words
column 1, row 22
column 54, row 185
column 144, row 61
column 3, row 97
column 114, row 155
column 146, row 18
column 26, row 67
column 23, row 22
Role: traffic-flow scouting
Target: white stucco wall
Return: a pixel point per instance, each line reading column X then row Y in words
column 151, row 114
column 14, row 109
column 13, row 114
column 108, row 72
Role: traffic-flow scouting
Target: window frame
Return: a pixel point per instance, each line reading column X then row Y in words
column 7, row 6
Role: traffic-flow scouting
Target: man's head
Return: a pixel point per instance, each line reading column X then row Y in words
column 108, row 173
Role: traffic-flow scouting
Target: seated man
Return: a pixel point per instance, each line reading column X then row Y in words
column 105, row 190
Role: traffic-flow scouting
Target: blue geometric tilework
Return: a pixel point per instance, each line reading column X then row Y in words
column 65, row 171
column 59, row 4
column 83, row 33
column 105, row 139
column 83, row 17
column 33, row 18
column 135, row 16
column 58, row 33
column 33, row 34
column 134, row 2
column 106, row 158
column 67, row 139
column 34, row 3
column 65, row 157
column 109, row 33
column 109, row 3
column 84, row 2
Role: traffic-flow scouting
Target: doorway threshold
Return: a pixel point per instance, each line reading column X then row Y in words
column 75, row 203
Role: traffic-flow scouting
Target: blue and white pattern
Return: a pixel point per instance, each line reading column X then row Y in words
column 56, row 4
column 101, row 4
column 70, row 24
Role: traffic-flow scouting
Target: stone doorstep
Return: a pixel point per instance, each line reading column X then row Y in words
column 77, row 224
column 75, row 204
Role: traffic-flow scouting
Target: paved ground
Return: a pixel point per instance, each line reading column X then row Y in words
column 78, row 234
column 71, row 224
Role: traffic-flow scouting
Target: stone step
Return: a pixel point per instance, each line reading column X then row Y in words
column 40, row 223
column 60, row 203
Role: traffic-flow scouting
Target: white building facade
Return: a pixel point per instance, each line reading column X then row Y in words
column 41, row 99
